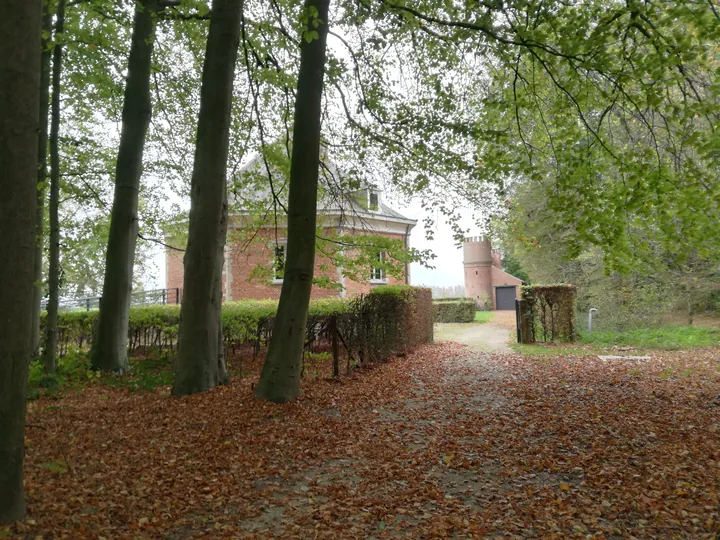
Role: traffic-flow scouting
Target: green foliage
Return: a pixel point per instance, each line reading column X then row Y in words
column 483, row 316
column 153, row 329
column 658, row 282
column 512, row 266
column 36, row 375
column 73, row 368
column 399, row 291
column 372, row 328
column 609, row 133
column 665, row 337
column 714, row 301
column 387, row 321
column 453, row 311
column 146, row 373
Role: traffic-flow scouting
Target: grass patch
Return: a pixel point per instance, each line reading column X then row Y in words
column 483, row 316
column 73, row 371
column 547, row 350
column 666, row 337
column 146, row 374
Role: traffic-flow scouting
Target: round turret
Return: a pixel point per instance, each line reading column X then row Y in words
column 478, row 259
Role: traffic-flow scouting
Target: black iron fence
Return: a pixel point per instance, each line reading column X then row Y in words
column 141, row 298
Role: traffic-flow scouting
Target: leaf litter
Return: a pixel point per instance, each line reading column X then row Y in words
column 444, row 442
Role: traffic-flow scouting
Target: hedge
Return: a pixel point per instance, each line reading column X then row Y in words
column 455, row 310
column 388, row 321
column 370, row 327
column 547, row 313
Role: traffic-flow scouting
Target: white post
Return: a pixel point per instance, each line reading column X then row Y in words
column 590, row 316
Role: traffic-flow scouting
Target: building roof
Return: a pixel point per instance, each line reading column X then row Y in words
column 333, row 201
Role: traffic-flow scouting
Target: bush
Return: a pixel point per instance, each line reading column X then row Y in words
column 461, row 310
column 388, row 321
column 547, row 313
column 372, row 327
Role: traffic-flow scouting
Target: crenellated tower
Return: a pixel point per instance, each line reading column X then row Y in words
column 478, row 260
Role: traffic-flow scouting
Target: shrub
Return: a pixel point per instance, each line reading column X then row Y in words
column 461, row 310
column 547, row 313
column 388, row 321
column 371, row 327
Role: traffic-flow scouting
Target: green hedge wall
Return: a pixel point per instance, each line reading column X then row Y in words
column 461, row 310
column 371, row 327
column 388, row 321
column 547, row 313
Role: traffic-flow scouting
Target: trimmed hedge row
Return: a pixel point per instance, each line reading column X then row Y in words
column 547, row 313
column 372, row 327
column 455, row 310
column 388, row 321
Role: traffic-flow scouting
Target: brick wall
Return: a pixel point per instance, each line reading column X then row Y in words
column 353, row 288
column 478, row 284
column 173, row 268
column 247, row 253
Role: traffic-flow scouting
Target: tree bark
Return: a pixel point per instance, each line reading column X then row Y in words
column 689, row 299
column 45, row 57
column 200, row 364
column 109, row 350
column 54, row 255
column 20, row 27
column 280, row 378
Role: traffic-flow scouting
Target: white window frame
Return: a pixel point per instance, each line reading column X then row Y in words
column 379, row 271
column 281, row 244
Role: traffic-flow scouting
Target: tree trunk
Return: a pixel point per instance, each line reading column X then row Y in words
column 109, row 349
column 20, row 26
column 200, row 363
column 54, row 255
column 45, row 56
column 280, row 378
column 689, row 299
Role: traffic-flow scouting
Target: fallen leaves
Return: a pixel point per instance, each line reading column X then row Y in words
column 444, row 442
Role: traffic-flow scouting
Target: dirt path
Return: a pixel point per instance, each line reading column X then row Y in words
column 491, row 336
column 447, row 442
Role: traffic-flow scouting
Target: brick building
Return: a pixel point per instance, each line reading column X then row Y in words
column 254, row 255
column 485, row 280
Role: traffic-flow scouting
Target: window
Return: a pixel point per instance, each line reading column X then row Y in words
column 377, row 275
column 279, row 262
column 373, row 201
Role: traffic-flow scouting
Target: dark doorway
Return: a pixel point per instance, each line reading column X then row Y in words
column 505, row 298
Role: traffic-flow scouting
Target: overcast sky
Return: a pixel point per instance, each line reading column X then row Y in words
column 448, row 267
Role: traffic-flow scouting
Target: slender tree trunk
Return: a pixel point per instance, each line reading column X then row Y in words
column 280, row 378
column 109, row 349
column 200, row 364
column 20, row 26
column 45, row 57
column 222, row 375
column 54, row 255
column 689, row 297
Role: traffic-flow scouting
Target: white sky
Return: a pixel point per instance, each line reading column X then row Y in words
column 448, row 267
